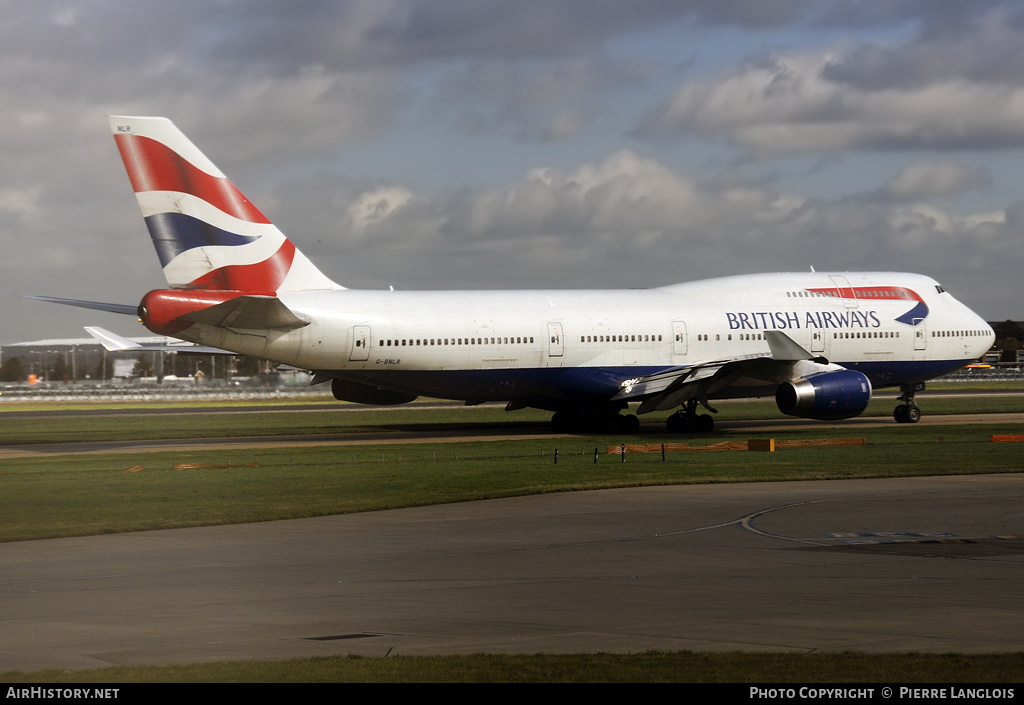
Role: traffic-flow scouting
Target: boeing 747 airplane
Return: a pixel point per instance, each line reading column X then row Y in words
column 819, row 342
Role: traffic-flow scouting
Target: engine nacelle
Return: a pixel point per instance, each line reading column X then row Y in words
column 346, row 390
column 825, row 395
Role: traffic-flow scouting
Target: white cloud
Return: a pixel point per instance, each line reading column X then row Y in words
column 927, row 180
column 565, row 124
column 786, row 103
column 371, row 207
column 22, row 203
column 535, row 103
column 628, row 220
column 591, row 220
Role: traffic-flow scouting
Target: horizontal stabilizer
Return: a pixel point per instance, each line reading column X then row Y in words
column 249, row 313
column 127, row 309
column 116, row 343
column 112, row 341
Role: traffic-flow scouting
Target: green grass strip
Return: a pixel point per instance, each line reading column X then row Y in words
column 333, row 419
column 44, row 497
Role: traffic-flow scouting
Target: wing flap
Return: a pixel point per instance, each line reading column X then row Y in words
column 785, row 348
column 669, row 388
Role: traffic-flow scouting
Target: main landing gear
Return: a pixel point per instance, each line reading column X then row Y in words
column 907, row 412
column 687, row 420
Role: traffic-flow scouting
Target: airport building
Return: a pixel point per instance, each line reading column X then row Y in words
column 82, row 365
column 85, row 360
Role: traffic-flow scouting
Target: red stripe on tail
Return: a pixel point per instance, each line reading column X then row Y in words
column 262, row 278
column 152, row 166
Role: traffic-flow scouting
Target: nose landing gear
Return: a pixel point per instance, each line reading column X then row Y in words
column 907, row 412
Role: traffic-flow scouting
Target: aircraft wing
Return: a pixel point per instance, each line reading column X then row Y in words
column 670, row 388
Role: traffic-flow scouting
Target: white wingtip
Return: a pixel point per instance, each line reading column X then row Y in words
column 111, row 341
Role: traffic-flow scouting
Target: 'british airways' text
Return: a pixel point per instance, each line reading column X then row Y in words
column 785, row 320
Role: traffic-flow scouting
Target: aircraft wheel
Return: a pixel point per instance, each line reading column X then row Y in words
column 630, row 424
column 705, row 423
column 689, row 423
column 901, row 413
column 569, row 422
column 913, row 414
column 613, row 423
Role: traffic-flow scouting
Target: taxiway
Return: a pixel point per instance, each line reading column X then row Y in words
column 922, row 564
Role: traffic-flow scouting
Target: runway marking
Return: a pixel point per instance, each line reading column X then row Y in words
column 746, row 522
column 887, row 537
column 867, row 540
column 696, row 530
column 742, row 521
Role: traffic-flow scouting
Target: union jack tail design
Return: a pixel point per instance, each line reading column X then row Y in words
column 206, row 233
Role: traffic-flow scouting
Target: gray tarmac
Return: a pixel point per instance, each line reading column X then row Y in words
column 921, row 564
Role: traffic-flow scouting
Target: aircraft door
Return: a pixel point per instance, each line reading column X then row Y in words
column 817, row 340
column 845, row 290
column 555, row 342
column 920, row 335
column 360, row 343
column 679, row 344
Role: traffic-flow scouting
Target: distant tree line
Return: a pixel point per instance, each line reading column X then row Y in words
column 12, row 370
column 1009, row 339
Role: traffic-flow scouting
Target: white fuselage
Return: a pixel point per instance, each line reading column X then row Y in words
column 503, row 345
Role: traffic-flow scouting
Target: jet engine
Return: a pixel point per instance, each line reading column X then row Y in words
column 346, row 390
column 825, row 395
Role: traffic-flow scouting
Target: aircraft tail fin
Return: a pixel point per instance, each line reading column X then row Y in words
column 206, row 233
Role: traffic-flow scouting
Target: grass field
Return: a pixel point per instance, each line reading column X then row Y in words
column 134, row 491
column 95, row 493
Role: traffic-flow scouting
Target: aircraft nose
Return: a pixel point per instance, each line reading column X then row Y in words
column 986, row 341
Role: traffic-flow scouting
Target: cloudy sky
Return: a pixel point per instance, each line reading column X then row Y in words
column 525, row 143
